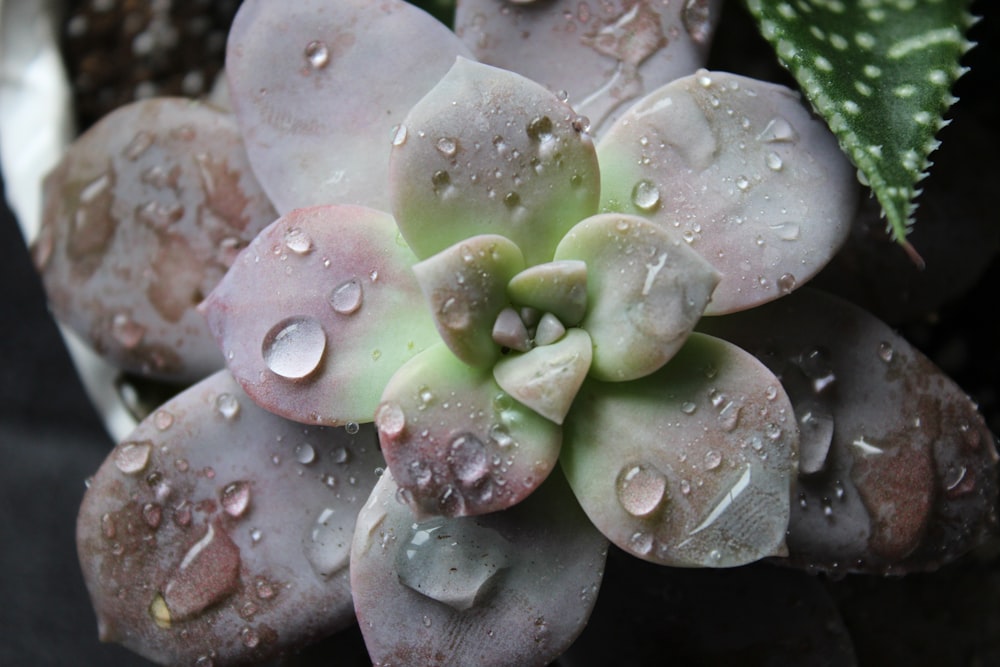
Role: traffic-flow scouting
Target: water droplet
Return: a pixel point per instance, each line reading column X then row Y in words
column 133, row 457
column 685, row 487
column 713, row 459
column 742, row 183
column 447, row 146
column 346, row 297
column 729, row 416
column 227, row 405
column 255, row 535
column 208, row 573
column 398, row 135
column 352, row 428
column 236, row 498
column 298, row 241
column 641, row 543
column 688, row 407
column 390, row 420
column 778, row 129
column 641, row 489
column 452, row 561
column 163, row 420
column 646, row 196
column 540, row 129
column 786, row 283
column 787, row 231
column 468, row 458
column 264, row 589
column 294, row 347
column 340, row 455
column 328, row 547
column 512, row 200
column 815, row 436
column 815, row 365
column 249, row 637
column 885, row 351
column 581, row 124
column 441, row 181
column 305, row 453
column 317, row 54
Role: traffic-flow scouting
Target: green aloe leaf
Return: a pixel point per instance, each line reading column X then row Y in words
column 880, row 74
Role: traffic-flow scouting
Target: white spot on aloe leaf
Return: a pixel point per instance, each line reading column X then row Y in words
column 722, row 483
column 645, row 292
column 756, row 186
column 547, row 378
column 490, row 152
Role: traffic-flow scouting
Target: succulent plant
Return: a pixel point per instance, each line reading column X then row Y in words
column 527, row 292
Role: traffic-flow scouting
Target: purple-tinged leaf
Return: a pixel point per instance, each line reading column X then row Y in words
column 690, row 466
column 216, row 532
column 508, row 588
column 901, row 472
column 318, row 87
column 143, row 216
column 456, row 443
column 603, row 55
column 490, row 152
column 465, row 286
column 740, row 169
column 646, row 290
column 318, row 313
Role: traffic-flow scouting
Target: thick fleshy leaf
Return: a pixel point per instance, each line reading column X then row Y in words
column 690, row 466
column 217, row 531
column 646, row 290
column 508, row 588
column 604, row 55
column 547, row 378
column 739, row 167
column 318, row 313
column 898, row 470
column 143, row 216
column 880, row 74
column 456, row 443
column 490, row 152
column 558, row 287
column 318, row 87
column 466, row 288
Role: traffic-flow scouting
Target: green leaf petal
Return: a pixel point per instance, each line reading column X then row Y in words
column 490, row 152
column 318, row 312
column 645, row 292
column 690, row 466
column 456, row 442
column 466, row 288
column 880, row 74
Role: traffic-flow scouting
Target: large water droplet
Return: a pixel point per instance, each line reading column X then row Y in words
column 778, row 129
column 452, row 561
column 447, row 146
column 346, row 297
column 646, row 196
column 294, row 347
column 641, row 489
column 773, row 161
column 317, row 54
column 227, row 405
column 390, row 420
column 133, row 457
column 641, row 542
column 207, row 573
column 468, row 458
column 786, row 283
column 540, row 129
column 236, row 498
column 815, row 436
column 298, row 241
column 328, row 545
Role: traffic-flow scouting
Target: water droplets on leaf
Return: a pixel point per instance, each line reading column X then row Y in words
column 328, row 545
column 452, row 561
column 646, row 196
column 298, row 241
column 133, row 457
column 227, row 405
column 641, row 489
column 347, row 297
column 468, row 458
column 317, row 54
column 235, row 498
column 294, row 348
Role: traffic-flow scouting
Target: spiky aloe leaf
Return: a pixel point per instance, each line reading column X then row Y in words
column 879, row 72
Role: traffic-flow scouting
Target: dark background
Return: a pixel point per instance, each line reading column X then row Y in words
column 51, row 440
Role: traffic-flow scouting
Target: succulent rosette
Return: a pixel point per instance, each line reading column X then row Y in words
column 502, row 264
